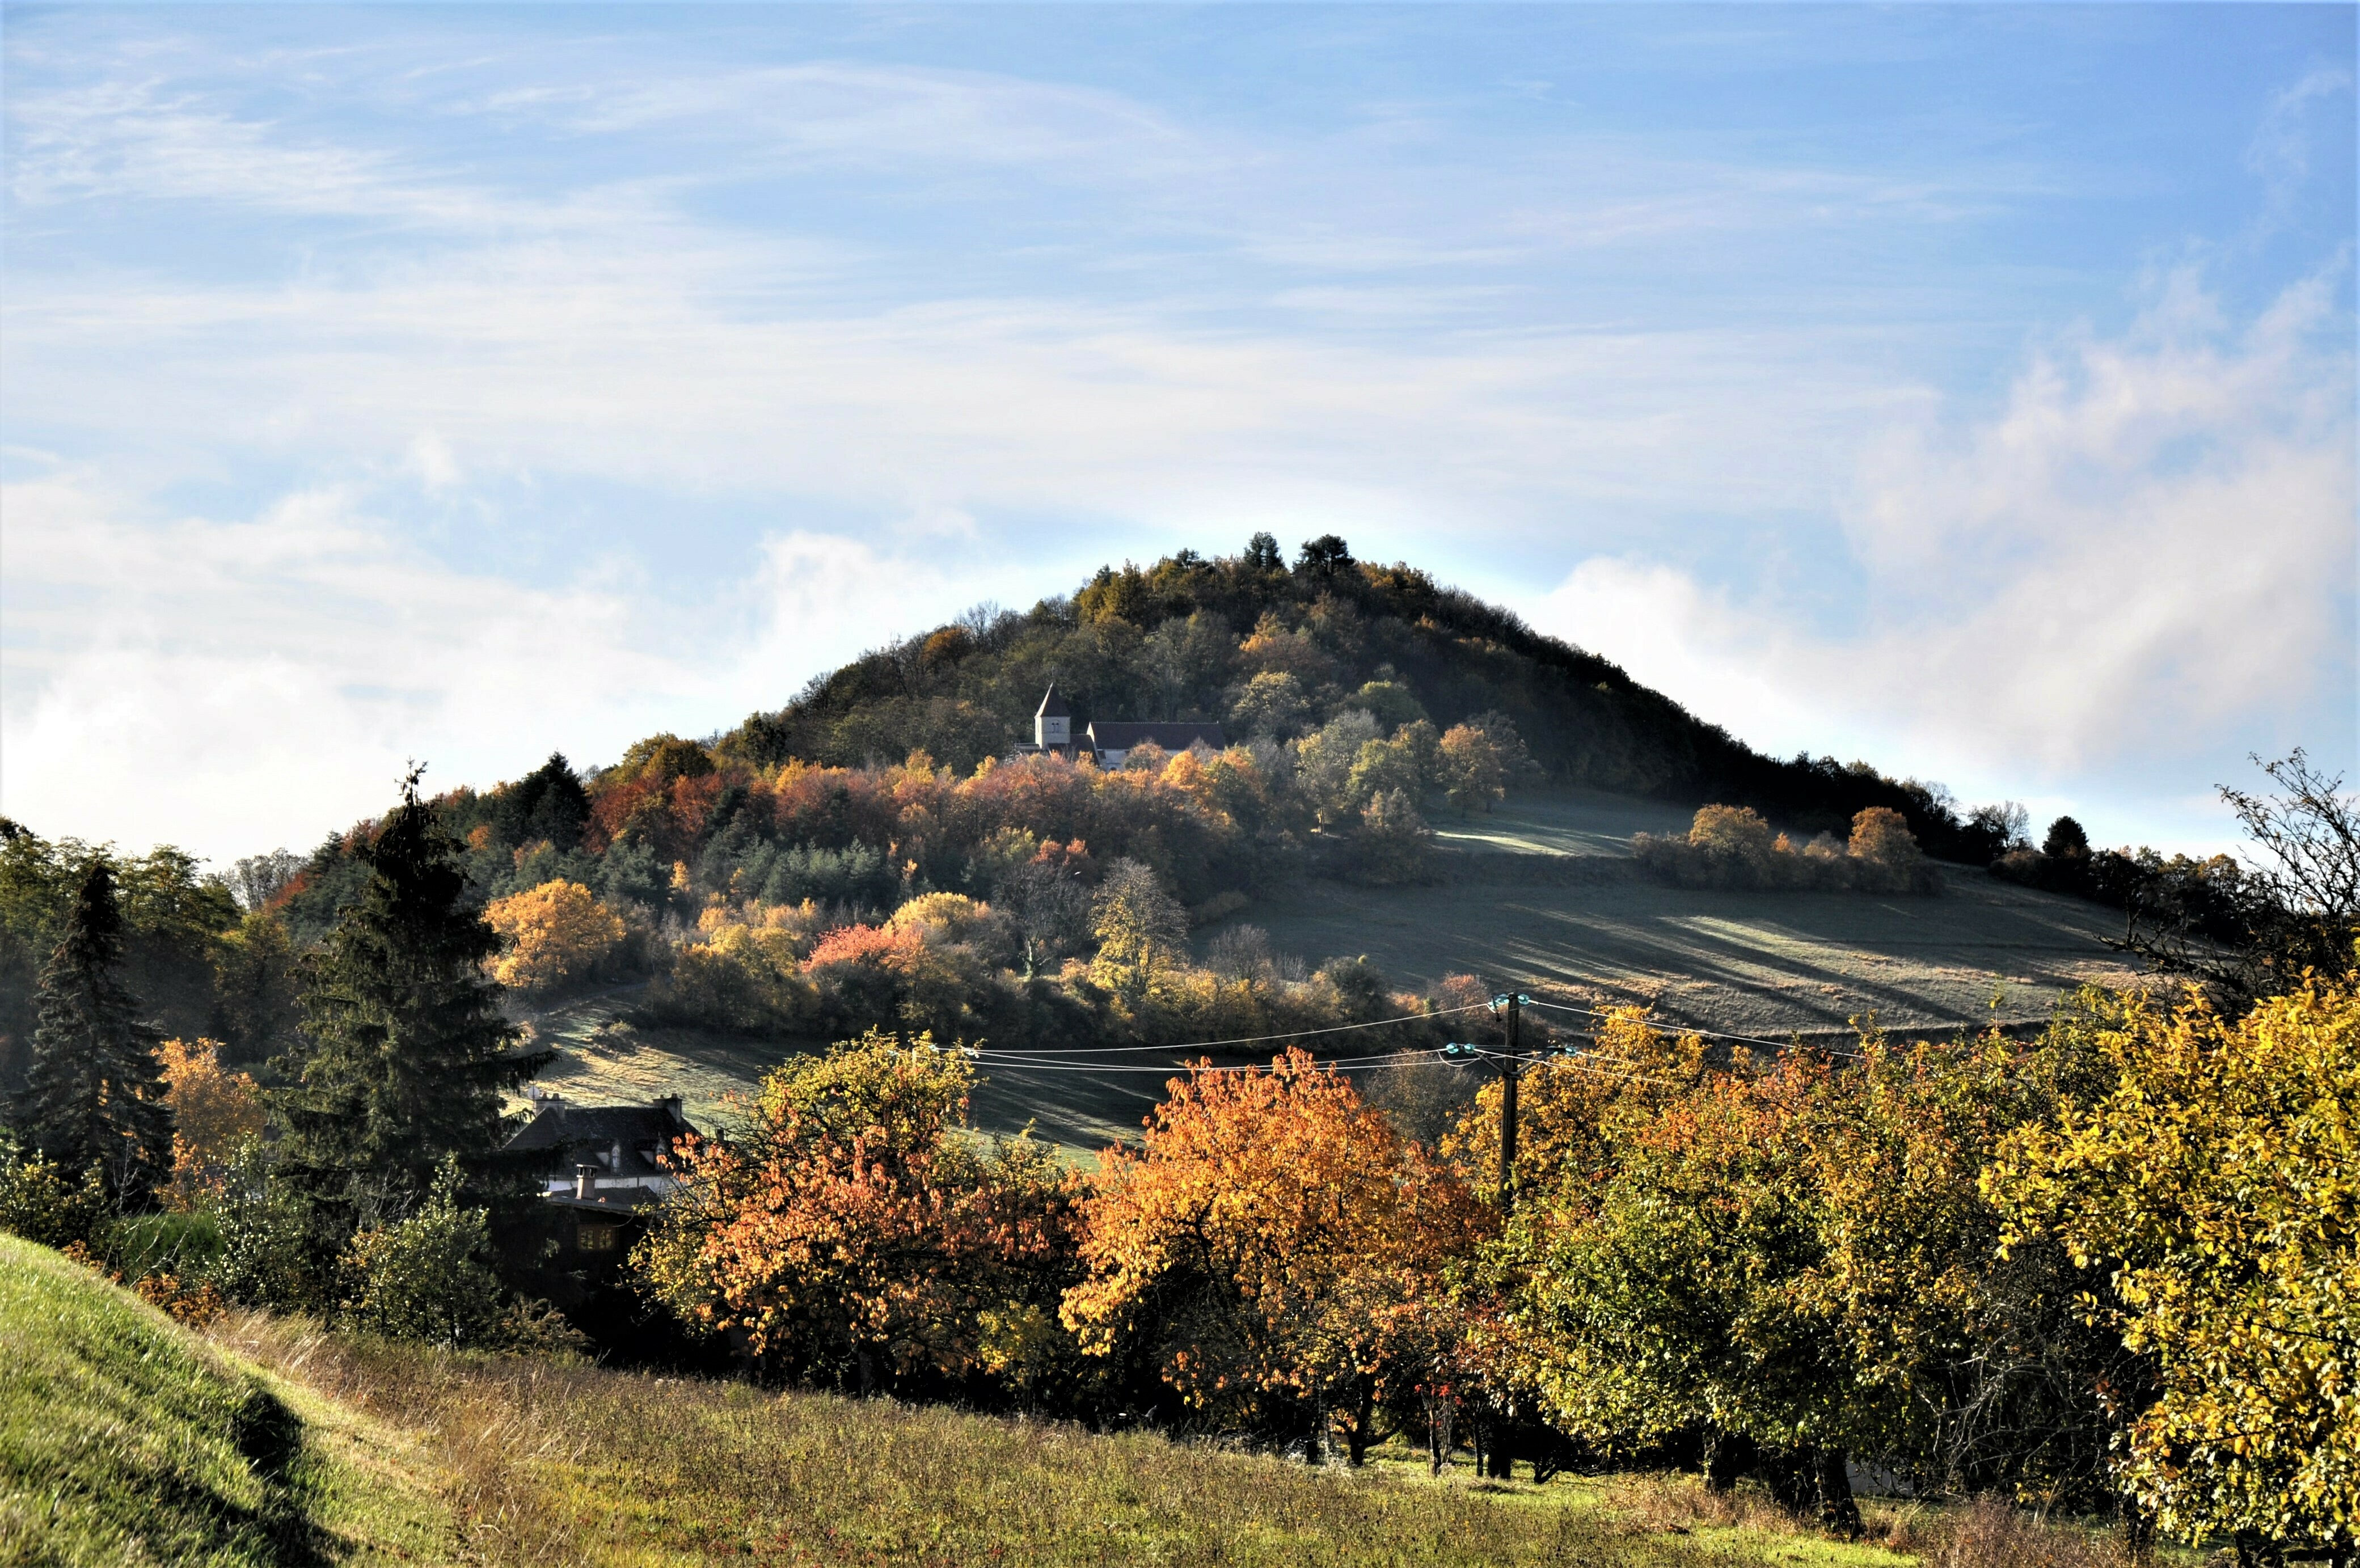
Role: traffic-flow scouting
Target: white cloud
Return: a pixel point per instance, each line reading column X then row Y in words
column 2280, row 151
column 627, row 363
column 229, row 686
column 2141, row 564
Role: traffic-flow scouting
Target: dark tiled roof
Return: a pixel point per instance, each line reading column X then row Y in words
column 571, row 1135
column 1053, row 706
column 1170, row 736
column 621, row 1203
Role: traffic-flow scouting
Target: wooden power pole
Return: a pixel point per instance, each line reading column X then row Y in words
column 1511, row 1065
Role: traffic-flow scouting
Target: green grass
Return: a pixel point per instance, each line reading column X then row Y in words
column 125, row 1439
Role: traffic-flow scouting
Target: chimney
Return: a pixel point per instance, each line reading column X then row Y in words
column 585, row 1178
column 670, row 1105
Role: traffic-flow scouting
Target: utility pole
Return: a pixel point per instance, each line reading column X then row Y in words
column 1511, row 1065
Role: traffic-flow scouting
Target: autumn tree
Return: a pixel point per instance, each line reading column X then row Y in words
column 852, row 1236
column 405, row 1054
column 1887, row 851
column 1272, row 702
column 1395, row 844
column 1270, row 1247
column 1735, row 834
column 555, row 933
column 1474, row 770
column 1408, row 764
column 257, row 879
column 1795, row 1260
column 1141, row 928
column 214, row 1111
column 96, row 1096
column 2210, row 1195
column 1324, row 762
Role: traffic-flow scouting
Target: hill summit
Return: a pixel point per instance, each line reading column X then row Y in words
column 1269, row 649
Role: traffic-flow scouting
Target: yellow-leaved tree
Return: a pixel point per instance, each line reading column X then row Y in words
column 556, row 933
column 213, row 1112
column 2214, row 1192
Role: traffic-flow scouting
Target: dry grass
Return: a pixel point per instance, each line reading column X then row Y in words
column 556, row 1463
column 564, row 1464
column 1987, row 1533
column 1984, row 1532
column 1667, row 1501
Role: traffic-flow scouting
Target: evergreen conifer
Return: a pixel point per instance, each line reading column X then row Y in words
column 95, row 1094
column 406, row 1052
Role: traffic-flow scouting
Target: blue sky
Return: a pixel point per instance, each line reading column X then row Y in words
column 1967, row 389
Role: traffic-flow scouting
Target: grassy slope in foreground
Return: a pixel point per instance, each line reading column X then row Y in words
column 125, row 1439
column 556, row 1465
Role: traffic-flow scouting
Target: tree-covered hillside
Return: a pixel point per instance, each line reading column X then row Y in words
column 778, row 878
column 1269, row 648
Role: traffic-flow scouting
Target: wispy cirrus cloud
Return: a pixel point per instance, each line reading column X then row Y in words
column 673, row 339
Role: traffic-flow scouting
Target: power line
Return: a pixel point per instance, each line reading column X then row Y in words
column 1266, row 1039
column 1579, row 1060
column 1002, row 1059
column 1708, row 1034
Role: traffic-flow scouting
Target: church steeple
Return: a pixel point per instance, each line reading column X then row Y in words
column 1053, row 723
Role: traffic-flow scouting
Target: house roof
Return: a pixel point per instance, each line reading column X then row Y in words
column 640, row 1134
column 1053, row 706
column 618, row 1204
column 1111, row 736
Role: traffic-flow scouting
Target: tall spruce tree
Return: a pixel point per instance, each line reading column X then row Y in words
column 406, row 1053
column 96, row 1092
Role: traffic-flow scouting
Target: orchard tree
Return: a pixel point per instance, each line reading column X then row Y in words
column 1272, row 1246
column 851, row 1237
column 1678, row 1300
column 2211, row 1196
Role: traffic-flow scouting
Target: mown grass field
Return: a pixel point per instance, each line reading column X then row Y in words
column 127, row 1439
column 1547, row 894
column 1542, row 894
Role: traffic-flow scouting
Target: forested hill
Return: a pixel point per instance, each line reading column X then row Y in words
column 1272, row 650
column 1355, row 696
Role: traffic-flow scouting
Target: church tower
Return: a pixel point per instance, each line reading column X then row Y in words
column 1052, row 726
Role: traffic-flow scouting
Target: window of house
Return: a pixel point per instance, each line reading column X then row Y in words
column 596, row 1237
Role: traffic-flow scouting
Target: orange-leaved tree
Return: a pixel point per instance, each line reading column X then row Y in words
column 213, row 1112
column 1272, row 1246
column 849, row 1236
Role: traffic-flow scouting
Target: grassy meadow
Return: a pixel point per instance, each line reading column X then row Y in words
column 126, row 1439
column 1542, row 892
